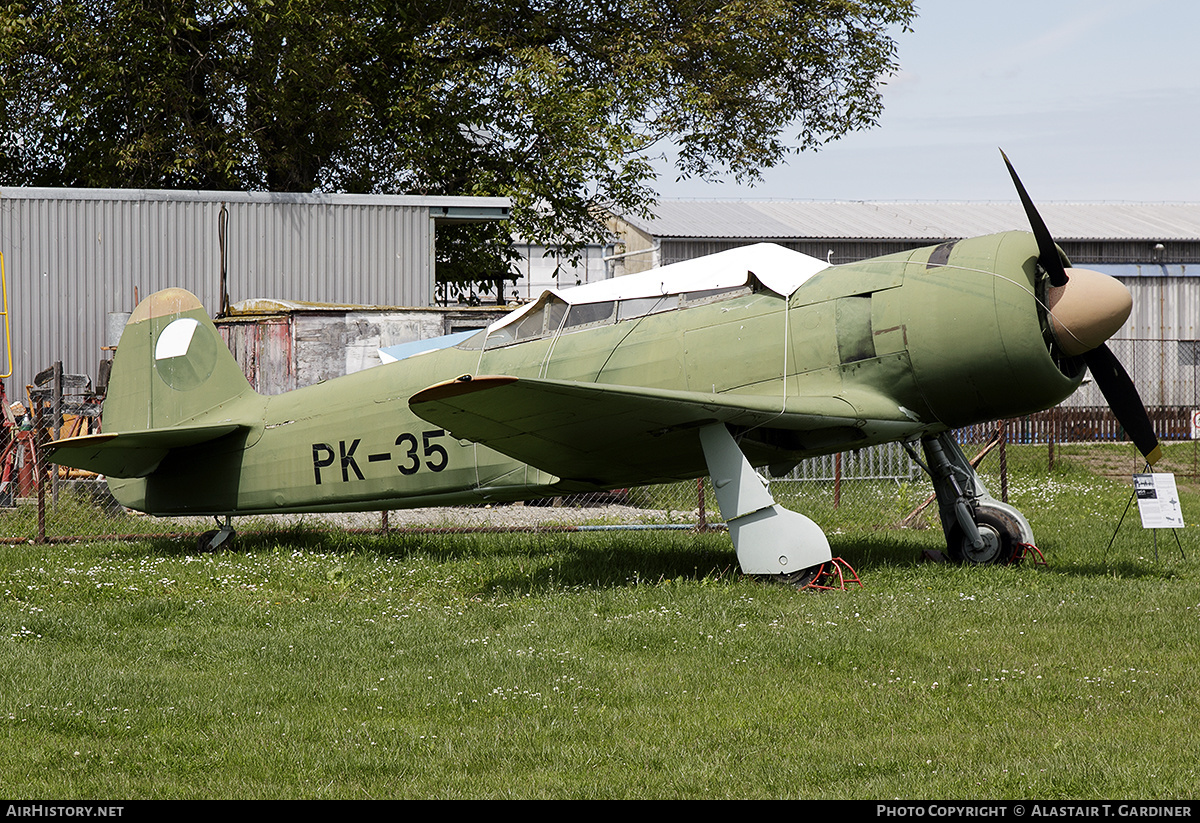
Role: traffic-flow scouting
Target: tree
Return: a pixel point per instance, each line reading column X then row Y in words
column 557, row 105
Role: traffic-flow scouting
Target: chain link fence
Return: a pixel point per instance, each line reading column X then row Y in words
column 46, row 503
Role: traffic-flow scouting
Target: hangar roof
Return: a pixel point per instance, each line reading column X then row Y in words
column 773, row 219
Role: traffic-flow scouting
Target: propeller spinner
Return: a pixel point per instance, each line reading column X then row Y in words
column 1086, row 308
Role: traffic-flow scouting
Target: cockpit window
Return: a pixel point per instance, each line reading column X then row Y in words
column 589, row 314
column 540, row 321
column 714, row 294
column 552, row 314
column 474, row 342
column 642, row 306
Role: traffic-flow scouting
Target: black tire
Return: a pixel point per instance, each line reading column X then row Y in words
column 1000, row 541
column 802, row 579
column 214, row 540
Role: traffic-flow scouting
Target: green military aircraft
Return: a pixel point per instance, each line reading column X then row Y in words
column 754, row 357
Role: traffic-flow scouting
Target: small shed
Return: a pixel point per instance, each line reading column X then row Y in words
column 283, row 345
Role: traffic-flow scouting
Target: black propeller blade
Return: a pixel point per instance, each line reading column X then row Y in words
column 1047, row 251
column 1123, row 399
column 1111, row 378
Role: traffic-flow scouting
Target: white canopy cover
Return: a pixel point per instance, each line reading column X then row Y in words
column 780, row 269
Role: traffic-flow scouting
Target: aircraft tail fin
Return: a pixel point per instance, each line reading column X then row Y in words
column 171, row 367
column 173, row 384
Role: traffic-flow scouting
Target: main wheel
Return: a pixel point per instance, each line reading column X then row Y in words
column 1000, row 539
column 802, row 578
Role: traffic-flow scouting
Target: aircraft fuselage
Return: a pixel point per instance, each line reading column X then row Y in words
column 900, row 346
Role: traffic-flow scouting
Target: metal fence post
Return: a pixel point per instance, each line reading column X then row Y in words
column 837, row 480
column 1003, row 461
column 39, row 472
column 1050, row 436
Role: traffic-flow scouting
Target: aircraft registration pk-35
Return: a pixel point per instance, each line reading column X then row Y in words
column 754, row 357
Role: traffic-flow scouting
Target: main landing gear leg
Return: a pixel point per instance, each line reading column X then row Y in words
column 769, row 539
column 979, row 529
column 217, row 539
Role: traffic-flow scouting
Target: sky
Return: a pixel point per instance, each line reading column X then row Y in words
column 1092, row 100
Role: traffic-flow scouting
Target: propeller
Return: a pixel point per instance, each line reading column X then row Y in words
column 1047, row 251
column 1124, row 401
column 1086, row 309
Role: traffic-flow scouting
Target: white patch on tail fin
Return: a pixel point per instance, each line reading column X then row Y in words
column 175, row 339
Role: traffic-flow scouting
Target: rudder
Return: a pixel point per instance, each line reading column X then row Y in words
column 171, row 367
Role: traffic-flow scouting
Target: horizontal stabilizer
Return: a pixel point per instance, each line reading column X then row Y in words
column 130, row 454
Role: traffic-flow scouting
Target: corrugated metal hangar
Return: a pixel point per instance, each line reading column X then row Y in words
column 843, row 232
column 73, row 256
column 1153, row 248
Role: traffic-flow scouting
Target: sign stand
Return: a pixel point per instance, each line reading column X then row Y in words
column 1158, row 506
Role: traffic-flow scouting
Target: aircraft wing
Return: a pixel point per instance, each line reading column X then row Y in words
column 607, row 434
column 130, row 454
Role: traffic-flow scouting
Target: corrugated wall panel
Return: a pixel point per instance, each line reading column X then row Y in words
column 352, row 254
column 1163, row 307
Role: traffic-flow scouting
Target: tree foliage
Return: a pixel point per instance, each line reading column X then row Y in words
column 558, row 105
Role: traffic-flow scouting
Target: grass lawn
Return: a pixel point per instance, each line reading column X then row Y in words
column 611, row 665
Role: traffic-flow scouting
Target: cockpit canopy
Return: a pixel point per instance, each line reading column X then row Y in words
column 691, row 282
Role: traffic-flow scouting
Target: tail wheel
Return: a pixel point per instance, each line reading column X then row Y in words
column 215, row 540
column 1001, row 540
